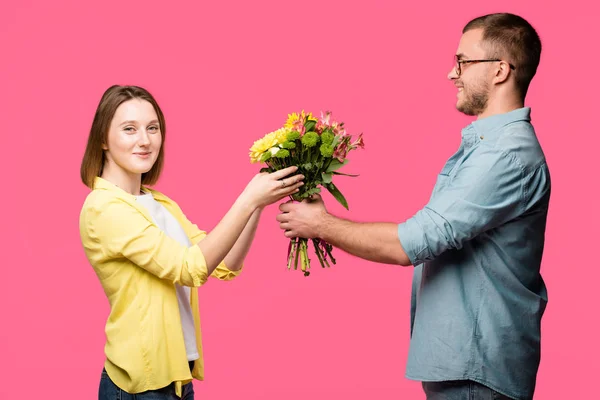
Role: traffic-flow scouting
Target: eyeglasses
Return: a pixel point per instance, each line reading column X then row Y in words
column 458, row 63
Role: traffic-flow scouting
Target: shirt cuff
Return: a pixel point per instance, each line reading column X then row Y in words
column 412, row 238
column 225, row 274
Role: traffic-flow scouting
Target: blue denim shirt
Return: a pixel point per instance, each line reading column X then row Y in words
column 478, row 296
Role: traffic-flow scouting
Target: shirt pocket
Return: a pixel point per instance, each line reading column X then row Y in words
column 452, row 162
column 445, row 174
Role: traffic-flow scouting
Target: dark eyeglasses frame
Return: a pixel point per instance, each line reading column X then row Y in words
column 459, row 62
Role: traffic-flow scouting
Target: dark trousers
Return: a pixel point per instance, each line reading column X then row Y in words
column 460, row 390
column 109, row 391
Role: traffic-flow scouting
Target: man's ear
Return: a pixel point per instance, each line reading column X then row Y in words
column 502, row 72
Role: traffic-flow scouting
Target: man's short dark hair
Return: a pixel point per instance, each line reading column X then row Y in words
column 512, row 38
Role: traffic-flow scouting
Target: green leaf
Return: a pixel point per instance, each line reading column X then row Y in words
column 326, row 177
column 335, row 141
column 337, row 194
column 266, row 169
column 309, row 125
column 307, row 166
column 335, row 165
column 306, row 193
column 341, row 173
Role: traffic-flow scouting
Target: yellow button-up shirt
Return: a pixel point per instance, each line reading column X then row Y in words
column 138, row 265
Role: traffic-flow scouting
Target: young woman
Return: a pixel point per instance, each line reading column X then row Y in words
column 147, row 254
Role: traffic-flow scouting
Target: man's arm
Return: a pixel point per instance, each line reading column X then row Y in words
column 486, row 192
column 373, row 241
column 376, row 241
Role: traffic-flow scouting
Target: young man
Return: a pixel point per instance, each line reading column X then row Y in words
column 478, row 296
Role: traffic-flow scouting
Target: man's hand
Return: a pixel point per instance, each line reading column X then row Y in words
column 374, row 241
column 302, row 219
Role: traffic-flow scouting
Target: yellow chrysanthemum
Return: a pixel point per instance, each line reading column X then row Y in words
column 266, row 143
column 281, row 134
column 292, row 118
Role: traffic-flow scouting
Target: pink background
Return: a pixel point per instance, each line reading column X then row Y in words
column 225, row 73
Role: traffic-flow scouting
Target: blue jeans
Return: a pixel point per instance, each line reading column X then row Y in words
column 460, row 390
column 110, row 391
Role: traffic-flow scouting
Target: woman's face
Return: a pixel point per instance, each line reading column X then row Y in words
column 134, row 137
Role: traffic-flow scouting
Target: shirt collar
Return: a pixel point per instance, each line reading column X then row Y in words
column 103, row 184
column 489, row 127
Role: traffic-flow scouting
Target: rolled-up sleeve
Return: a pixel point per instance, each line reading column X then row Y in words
column 196, row 235
column 486, row 191
column 122, row 231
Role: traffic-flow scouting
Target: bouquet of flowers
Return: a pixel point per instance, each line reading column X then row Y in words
column 319, row 148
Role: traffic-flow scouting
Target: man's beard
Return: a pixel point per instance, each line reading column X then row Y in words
column 475, row 99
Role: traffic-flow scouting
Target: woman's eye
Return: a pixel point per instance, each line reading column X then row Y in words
column 129, row 129
column 153, row 128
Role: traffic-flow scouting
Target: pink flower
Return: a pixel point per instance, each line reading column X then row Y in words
column 341, row 151
column 339, row 130
column 299, row 127
column 324, row 120
column 359, row 142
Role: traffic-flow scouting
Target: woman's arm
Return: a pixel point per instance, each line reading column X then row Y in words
column 116, row 229
column 235, row 258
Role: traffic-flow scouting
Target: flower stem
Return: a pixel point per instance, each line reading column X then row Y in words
column 297, row 254
column 318, row 253
column 306, row 260
column 292, row 252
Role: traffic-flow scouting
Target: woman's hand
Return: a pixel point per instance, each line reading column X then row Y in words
column 268, row 188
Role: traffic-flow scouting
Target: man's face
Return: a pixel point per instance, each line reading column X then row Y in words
column 474, row 81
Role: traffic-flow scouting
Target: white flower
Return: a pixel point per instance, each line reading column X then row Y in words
column 274, row 150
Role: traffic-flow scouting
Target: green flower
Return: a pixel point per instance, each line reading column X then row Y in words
column 293, row 135
column 327, row 137
column 265, row 156
column 310, row 139
column 288, row 145
column 283, row 153
column 326, row 150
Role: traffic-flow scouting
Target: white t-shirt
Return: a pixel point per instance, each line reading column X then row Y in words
column 171, row 227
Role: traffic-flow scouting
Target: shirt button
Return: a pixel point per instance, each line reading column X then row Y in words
column 481, row 137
